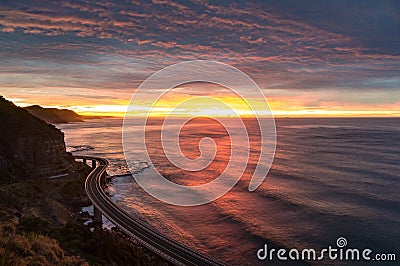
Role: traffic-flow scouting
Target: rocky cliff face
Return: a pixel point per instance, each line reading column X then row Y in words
column 29, row 147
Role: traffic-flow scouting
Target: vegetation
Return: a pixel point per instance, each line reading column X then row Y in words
column 30, row 248
column 40, row 224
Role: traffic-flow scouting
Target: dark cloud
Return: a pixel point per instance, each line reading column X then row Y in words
column 374, row 25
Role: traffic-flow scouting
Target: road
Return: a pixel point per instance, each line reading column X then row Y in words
column 170, row 250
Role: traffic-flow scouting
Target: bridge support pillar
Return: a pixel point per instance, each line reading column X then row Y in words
column 93, row 164
column 84, row 160
column 103, row 179
column 97, row 215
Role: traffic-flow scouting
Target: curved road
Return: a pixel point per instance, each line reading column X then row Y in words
column 166, row 248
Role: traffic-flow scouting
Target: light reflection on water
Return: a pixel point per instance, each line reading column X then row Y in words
column 330, row 178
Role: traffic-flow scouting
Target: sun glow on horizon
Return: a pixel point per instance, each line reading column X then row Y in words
column 120, row 111
column 280, row 106
column 241, row 108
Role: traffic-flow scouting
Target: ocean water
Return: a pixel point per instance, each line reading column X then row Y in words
column 330, row 178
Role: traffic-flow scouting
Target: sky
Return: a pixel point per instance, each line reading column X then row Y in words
column 310, row 58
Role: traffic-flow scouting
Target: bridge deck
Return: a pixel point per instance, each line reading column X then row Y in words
column 170, row 250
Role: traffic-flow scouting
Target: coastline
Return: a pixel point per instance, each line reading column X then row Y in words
column 49, row 212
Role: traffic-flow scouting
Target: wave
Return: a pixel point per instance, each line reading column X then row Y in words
column 118, row 168
column 79, row 148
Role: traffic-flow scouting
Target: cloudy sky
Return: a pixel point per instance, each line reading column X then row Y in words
column 309, row 57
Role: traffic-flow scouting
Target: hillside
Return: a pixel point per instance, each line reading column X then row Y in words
column 54, row 115
column 29, row 147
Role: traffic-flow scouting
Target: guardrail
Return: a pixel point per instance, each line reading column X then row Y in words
column 170, row 250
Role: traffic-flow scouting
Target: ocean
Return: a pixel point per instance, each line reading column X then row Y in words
column 330, row 178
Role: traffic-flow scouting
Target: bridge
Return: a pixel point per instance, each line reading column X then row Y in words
column 170, row 250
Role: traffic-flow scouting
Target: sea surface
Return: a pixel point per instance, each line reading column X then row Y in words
column 330, row 178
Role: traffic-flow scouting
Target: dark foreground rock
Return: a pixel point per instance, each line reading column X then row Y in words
column 29, row 147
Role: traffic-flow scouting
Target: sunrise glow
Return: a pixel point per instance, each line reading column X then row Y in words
column 305, row 65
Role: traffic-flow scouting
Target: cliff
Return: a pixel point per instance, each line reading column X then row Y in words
column 54, row 115
column 29, row 147
column 40, row 222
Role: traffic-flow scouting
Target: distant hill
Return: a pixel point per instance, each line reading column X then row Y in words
column 54, row 115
